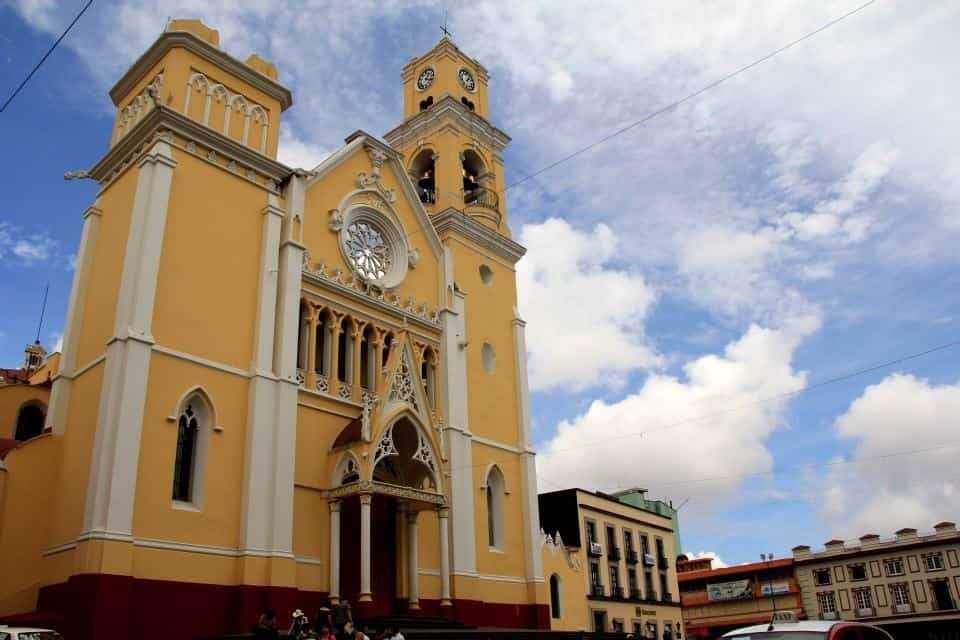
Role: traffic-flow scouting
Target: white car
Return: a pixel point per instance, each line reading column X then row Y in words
column 810, row 630
column 27, row 633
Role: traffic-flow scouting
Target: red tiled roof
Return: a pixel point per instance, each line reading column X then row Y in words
column 13, row 376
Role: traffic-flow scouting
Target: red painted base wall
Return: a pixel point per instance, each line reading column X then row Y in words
column 99, row 606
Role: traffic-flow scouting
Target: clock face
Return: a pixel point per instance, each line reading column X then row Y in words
column 425, row 79
column 466, row 79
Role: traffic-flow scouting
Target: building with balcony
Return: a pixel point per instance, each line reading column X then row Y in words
column 610, row 565
column 908, row 585
column 718, row 600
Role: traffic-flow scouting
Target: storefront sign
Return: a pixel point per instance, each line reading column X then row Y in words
column 734, row 590
column 767, row 588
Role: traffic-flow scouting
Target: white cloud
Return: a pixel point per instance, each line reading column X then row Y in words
column 901, row 413
column 724, row 403
column 718, row 249
column 297, row 153
column 56, row 340
column 28, row 249
column 585, row 313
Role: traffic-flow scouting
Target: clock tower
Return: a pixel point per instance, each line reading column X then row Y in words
column 454, row 157
column 453, row 153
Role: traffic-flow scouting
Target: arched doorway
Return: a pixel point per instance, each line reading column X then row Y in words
column 29, row 422
column 404, row 483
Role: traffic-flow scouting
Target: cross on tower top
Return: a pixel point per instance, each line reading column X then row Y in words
column 446, row 32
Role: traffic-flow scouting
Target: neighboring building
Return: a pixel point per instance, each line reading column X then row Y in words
column 718, row 600
column 909, row 585
column 24, row 395
column 638, row 498
column 281, row 388
column 609, row 565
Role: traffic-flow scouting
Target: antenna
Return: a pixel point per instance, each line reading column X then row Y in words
column 43, row 310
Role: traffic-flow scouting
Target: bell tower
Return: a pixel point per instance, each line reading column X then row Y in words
column 453, row 153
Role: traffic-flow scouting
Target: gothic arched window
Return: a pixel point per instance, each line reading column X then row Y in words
column 29, row 422
column 555, row 596
column 496, row 488
column 193, row 426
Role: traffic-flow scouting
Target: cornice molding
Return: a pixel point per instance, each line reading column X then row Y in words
column 452, row 220
column 448, row 110
column 186, row 40
column 446, row 46
column 163, row 119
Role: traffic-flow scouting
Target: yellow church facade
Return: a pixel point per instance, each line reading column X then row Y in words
column 278, row 387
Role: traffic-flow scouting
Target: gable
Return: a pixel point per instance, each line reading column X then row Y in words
column 363, row 218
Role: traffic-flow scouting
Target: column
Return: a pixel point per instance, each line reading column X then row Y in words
column 334, row 551
column 311, row 340
column 373, row 359
column 357, row 336
column 401, row 545
column 334, row 369
column 365, row 591
column 413, row 597
column 443, row 515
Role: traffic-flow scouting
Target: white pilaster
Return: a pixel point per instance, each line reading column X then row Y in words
column 262, row 403
column 528, row 468
column 366, row 594
column 443, row 516
column 334, row 551
column 453, row 356
column 63, row 381
column 113, row 477
column 413, row 586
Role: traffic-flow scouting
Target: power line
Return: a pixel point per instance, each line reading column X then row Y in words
column 671, row 425
column 45, row 56
column 688, row 97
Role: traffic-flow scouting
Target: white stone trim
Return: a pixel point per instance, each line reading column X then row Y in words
column 90, row 365
column 210, row 364
column 308, row 560
column 60, row 548
column 452, row 220
column 496, row 445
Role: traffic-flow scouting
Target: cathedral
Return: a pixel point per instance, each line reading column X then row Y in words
column 282, row 388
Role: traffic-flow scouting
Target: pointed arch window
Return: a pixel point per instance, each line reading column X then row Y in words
column 428, row 375
column 555, row 597
column 496, row 488
column 193, row 427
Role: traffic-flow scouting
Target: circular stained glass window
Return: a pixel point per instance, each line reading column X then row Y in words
column 368, row 250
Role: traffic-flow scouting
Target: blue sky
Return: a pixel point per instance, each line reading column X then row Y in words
column 689, row 280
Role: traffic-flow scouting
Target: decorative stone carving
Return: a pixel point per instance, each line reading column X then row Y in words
column 191, row 147
column 413, row 257
column 251, row 174
column 336, row 220
column 301, row 378
column 385, row 447
column 212, row 156
column 323, row 384
column 403, row 388
column 425, row 455
column 232, row 165
column 344, row 391
column 406, row 493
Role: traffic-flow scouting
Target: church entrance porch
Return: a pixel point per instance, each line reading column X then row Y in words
column 373, row 535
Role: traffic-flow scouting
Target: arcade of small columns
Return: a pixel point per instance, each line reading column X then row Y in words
column 405, row 512
column 340, row 355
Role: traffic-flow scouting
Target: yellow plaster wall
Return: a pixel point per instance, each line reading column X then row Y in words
column 573, row 603
column 100, row 307
column 15, row 396
column 217, row 523
column 421, row 282
column 24, row 523
column 207, row 286
column 445, row 83
column 77, row 453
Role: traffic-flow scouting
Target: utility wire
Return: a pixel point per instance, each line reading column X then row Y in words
column 706, row 416
column 688, row 97
column 45, row 56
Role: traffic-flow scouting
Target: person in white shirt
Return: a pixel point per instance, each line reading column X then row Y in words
column 395, row 634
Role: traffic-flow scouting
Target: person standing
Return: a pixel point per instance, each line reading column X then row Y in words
column 341, row 617
column 266, row 628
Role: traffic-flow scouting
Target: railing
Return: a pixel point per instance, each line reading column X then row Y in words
column 632, row 556
column 635, row 594
column 903, row 608
column 616, row 592
column 613, row 553
column 667, row 597
column 648, row 560
column 481, row 197
column 427, row 196
column 596, row 589
column 663, row 563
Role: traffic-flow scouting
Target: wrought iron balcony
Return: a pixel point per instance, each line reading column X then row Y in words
column 635, row 594
column 663, row 563
column 596, row 590
column 667, row 597
column 481, row 197
column 632, row 556
column 616, row 592
column 613, row 553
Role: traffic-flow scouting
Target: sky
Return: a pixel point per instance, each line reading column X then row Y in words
column 703, row 293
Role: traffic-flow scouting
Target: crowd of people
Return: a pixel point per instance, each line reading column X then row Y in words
column 336, row 624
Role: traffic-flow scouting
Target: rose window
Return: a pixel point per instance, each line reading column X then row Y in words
column 369, row 252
